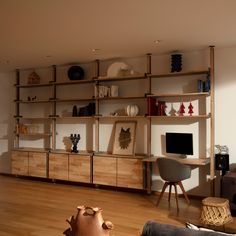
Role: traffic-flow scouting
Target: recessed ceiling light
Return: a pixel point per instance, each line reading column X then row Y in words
column 96, row 49
column 157, row 41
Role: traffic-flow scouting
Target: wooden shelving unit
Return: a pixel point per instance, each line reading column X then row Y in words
column 98, row 159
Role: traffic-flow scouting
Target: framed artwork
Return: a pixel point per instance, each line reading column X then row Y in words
column 124, row 140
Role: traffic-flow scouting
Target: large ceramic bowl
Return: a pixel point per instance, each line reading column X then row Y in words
column 75, row 73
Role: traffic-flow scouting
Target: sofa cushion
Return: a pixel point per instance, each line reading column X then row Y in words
column 153, row 228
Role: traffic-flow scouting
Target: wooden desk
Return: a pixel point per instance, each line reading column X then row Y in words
column 195, row 162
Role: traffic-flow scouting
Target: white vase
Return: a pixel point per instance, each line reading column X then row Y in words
column 132, row 110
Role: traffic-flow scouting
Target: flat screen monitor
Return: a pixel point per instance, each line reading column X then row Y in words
column 179, row 143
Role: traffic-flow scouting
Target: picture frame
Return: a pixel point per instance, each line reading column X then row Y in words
column 124, row 138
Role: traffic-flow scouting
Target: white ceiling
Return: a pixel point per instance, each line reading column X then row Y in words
column 37, row 33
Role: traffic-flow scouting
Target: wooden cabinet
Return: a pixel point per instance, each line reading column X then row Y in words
column 118, row 171
column 129, row 173
column 38, row 164
column 80, row 168
column 58, row 166
column 104, row 170
column 19, row 163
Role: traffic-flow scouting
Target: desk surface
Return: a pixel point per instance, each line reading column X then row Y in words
column 187, row 161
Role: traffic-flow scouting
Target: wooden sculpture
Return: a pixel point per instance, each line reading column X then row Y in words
column 88, row 222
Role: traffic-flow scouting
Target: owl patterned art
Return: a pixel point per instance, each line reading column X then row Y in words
column 124, row 139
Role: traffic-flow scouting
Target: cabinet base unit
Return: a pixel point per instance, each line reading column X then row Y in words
column 80, row 168
column 58, row 166
column 130, row 173
column 104, row 170
column 38, row 164
column 19, row 163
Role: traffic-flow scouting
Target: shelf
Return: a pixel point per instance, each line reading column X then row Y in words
column 178, row 74
column 36, row 134
column 187, row 161
column 32, row 85
column 120, row 98
column 182, row 117
column 120, row 117
column 74, row 117
column 73, row 82
column 72, row 100
column 30, row 149
column 81, row 152
column 204, row 94
column 36, row 101
column 32, row 118
column 120, row 78
column 105, row 154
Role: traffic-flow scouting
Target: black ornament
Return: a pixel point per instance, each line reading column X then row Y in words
column 176, row 62
column 74, row 139
column 75, row 73
column 74, row 112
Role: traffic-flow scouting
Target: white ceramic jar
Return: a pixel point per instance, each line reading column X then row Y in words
column 132, row 110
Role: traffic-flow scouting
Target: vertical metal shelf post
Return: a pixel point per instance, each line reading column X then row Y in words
column 17, row 107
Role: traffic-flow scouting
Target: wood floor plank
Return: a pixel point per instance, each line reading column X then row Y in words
column 33, row 208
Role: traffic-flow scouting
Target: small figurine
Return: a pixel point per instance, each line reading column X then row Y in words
column 74, row 139
column 190, row 109
column 181, row 109
column 172, row 111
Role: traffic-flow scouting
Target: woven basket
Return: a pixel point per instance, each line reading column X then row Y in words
column 215, row 211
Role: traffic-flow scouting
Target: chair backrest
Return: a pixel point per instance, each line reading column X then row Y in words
column 172, row 170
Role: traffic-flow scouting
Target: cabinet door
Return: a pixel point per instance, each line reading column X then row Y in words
column 104, row 170
column 38, row 164
column 19, row 163
column 79, row 168
column 130, row 173
column 58, row 166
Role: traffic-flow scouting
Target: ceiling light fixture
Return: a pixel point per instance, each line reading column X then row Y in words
column 96, row 49
column 157, row 41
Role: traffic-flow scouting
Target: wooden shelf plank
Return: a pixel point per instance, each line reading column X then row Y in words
column 36, row 134
column 119, row 117
column 180, row 95
column 36, row 101
column 81, row 152
column 182, row 117
column 136, row 156
column 73, row 100
column 75, row 117
column 187, row 161
column 34, row 118
column 88, row 81
column 120, row 78
column 178, row 74
column 121, row 98
column 32, row 85
column 30, row 149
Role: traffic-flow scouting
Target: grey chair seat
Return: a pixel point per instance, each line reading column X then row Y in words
column 173, row 172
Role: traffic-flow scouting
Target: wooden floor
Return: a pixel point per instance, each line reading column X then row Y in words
column 32, row 208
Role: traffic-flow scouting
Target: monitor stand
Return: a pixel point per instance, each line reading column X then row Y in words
column 183, row 156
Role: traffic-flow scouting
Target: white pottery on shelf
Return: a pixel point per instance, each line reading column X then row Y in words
column 132, row 110
column 116, row 69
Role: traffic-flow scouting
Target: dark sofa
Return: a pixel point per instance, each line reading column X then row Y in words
column 153, row 228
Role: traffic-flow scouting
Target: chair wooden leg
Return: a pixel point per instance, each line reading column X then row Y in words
column 176, row 196
column 162, row 192
column 169, row 191
column 185, row 194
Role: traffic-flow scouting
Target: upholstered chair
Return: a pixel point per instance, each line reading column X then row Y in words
column 173, row 173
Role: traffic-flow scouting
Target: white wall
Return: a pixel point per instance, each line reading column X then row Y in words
column 6, row 119
column 225, row 94
column 225, row 97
